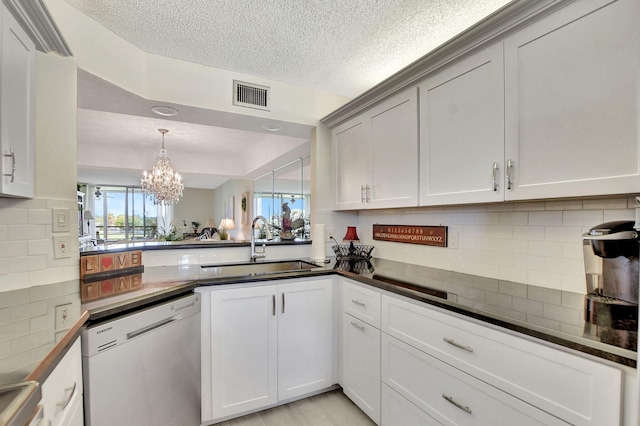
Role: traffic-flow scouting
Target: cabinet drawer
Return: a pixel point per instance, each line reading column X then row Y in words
column 62, row 390
column 361, row 302
column 397, row 410
column 576, row 389
column 449, row 395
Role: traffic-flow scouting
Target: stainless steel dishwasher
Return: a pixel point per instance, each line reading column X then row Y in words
column 143, row 368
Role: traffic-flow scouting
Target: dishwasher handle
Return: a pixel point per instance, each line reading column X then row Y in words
column 149, row 328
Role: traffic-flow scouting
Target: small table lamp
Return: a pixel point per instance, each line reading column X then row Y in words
column 88, row 216
column 226, row 224
column 351, row 236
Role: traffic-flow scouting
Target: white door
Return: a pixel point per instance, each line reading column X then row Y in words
column 572, row 85
column 393, row 178
column 306, row 338
column 462, row 131
column 361, row 365
column 17, row 111
column 243, row 349
column 351, row 158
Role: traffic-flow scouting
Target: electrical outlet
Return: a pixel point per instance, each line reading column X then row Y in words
column 61, row 247
column 328, row 232
column 63, row 317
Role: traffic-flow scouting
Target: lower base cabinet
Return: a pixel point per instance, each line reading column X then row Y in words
column 361, row 365
column 62, row 391
column 265, row 344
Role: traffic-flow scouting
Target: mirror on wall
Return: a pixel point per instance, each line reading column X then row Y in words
column 283, row 196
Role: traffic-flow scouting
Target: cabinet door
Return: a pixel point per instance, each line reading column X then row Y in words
column 17, row 109
column 393, row 180
column 462, row 131
column 572, row 84
column 361, row 365
column 351, row 159
column 306, row 338
column 243, row 350
column 62, row 391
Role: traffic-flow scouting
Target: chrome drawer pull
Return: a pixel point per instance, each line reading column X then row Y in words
column 458, row 345
column 359, row 327
column 495, row 175
column 509, row 173
column 273, row 303
column 358, row 303
column 63, row 404
column 13, row 165
column 450, row 400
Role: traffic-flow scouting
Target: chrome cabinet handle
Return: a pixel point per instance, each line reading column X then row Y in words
column 273, row 304
column 362, row 193
column 367, row 198
column 509, row 173
column 13, row 165
column 452, row 401
column 357, row 302
column 283, row 302
column 63, row 404
column 458, row 345
column 495, row 175
column 359, row 327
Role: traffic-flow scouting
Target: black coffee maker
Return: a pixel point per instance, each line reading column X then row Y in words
column 611, row 264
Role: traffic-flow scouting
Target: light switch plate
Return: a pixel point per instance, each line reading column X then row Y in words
column 61, row 247
column 61, row 219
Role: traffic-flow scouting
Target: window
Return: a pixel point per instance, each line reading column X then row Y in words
column 125, row 213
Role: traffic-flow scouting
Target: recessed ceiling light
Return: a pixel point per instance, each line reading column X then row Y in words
column 165, row 111
column 272, row 127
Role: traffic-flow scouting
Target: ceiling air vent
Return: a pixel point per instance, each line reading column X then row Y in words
column 251, row 95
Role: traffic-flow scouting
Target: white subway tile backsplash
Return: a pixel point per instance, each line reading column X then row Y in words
column 573, row 250
column 545, row 248
column 545, row 218
column 564, row 205
column 27, row 263
column 563, row 266
column 529, row 232
column 611, row 215
column 500, row 207
column 550, row 280
column 517, row 275
column 582, row 217
column 529, row 207
column 563, row 233
column 514, row 218
column 528, row 262
column 40, row 216
column 14, row 216
column 605, row 204
column 13, row 248
column 27, row 232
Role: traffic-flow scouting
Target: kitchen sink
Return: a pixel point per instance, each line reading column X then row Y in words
column 258, row 268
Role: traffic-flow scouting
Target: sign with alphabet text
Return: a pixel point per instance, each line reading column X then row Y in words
column 425, row 235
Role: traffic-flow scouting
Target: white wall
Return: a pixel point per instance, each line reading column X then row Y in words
column 103, row 53
column 195, row 205
column 26, row 245
column 222, row 195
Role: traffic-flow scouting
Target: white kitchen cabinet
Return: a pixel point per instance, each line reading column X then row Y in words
column 361, row 365
column 449, row 395
column 579, row 390
column 376, row 155
column 17, row 109
column 264, row 344
column 305, row 337
column 572, row 81
column 462, row 131
column 62, row 391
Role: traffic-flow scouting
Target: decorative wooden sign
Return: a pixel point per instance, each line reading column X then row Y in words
column 425, row 235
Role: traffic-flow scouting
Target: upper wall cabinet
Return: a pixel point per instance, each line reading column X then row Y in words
column 462, row 131
column 17, row 108
column 375, row 155
column 572, row 85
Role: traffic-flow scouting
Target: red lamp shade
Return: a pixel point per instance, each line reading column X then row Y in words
column 352, row 235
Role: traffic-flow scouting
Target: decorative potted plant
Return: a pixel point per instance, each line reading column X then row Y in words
column 195, row 225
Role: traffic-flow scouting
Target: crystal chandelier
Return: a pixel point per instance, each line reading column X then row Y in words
column 162, row 184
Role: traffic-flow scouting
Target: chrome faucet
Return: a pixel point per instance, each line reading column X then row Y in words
column 256, row 254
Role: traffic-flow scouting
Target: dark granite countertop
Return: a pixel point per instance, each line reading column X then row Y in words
column 550, row 315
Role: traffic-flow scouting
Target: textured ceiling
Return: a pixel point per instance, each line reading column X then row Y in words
column 338, row 46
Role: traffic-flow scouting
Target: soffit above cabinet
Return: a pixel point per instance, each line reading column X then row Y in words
column 36, row 20
column 504, row 22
